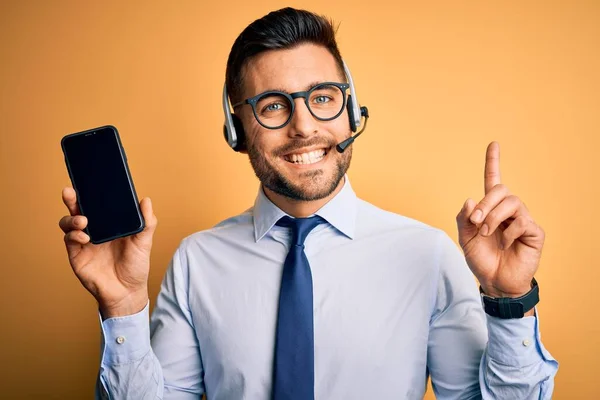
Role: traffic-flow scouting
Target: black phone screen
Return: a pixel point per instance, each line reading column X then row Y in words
column 98, row 168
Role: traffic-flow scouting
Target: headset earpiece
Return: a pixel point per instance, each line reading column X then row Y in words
column 238, row 129
column 241, row 135
column 350, row 107
column 353, row 105
column 233, row 130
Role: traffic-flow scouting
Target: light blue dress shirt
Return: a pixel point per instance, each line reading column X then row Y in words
column 394, row 303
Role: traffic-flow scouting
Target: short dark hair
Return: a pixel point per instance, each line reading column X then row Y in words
column 281, row 29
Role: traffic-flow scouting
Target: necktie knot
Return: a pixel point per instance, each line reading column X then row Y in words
column 301, row 227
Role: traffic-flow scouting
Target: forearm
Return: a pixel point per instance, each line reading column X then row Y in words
column 155, row 360
column 129, row 368
column 515, row 364
column 141, row 379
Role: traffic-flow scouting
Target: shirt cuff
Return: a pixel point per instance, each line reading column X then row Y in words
column 125, row 339
column 514, row 342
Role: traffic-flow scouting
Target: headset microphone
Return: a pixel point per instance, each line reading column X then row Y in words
column 341, row 147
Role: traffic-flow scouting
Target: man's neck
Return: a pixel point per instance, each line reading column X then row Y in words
column 300, row 208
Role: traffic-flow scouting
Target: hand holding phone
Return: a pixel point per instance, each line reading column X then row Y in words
column 115, row 270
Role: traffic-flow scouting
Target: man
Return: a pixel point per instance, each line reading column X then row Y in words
column 351, row 303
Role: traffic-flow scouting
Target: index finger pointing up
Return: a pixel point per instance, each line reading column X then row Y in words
column 492, row 166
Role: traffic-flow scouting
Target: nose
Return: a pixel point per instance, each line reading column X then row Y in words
column 303, row 124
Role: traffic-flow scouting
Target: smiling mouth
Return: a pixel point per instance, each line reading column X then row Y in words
column 310, row 157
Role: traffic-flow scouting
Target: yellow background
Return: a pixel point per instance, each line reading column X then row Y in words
column 441, row 81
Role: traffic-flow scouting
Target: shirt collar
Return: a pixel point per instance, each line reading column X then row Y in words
column 340, row 212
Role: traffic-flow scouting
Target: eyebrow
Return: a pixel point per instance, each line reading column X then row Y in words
column 279, row 89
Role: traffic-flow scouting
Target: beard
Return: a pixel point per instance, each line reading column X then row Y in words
column 318, row 183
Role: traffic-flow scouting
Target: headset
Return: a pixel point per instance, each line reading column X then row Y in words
column 234, row 131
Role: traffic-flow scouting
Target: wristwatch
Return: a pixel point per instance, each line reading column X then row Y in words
column 507, row 307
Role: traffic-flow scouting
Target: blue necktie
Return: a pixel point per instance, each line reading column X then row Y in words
column 294, row 365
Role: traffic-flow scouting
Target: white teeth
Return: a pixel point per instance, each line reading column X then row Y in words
column 306, row 158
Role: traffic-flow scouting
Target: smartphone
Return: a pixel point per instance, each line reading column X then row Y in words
column 99, row 173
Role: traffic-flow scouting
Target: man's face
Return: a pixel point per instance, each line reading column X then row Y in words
column 298, row 161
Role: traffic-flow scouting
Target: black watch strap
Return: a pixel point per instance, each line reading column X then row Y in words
column 507, row 307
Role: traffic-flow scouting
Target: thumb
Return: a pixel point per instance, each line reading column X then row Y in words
column 150, row 220
column 466, row 229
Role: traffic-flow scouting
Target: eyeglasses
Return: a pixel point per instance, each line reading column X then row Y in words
column 274, row 109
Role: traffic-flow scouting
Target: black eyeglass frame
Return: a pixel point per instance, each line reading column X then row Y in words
column 291, row 96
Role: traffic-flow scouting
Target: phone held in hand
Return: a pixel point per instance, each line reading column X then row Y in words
column 99, row 173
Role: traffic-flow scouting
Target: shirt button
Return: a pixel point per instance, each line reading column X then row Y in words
column 120, row 340
column 526, row 342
